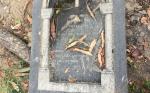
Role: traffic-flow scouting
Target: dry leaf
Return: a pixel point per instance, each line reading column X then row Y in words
column 72, row 44
column 67, row 70
column 101, row 57
column 97, row 7
column 53, row 30
column 103, row 39
column 72, row 80
column 82, row 38
column 144, row 20
column 29, row 19
column 92, row 45
column 90, row 12
column 16, row 27
column 76, row 42
column 82, row 51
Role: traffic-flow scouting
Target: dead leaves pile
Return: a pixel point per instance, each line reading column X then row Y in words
column 87, row 50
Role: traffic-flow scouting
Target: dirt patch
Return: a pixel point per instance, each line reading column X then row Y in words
column 14, row 17
column 138, row 45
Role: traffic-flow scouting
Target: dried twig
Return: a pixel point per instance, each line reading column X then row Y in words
column 92, row 45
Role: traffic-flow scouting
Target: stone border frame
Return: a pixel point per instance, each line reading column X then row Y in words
column 112, row 81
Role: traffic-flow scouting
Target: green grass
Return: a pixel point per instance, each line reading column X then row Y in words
column 147, row 85
column 10, row 83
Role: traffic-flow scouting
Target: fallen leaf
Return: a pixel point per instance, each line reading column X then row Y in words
column 67, row 70
column 72, row 44
column 92, row 45
column 144, row 20
column 90, row 11
column 53, row 30
column 76, row 42
column 29, row 19
column 101, row 58
column 72, row 79
column 102, row 39
column 82, row 51
column 82, row 38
